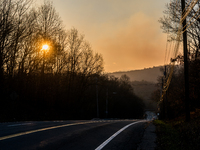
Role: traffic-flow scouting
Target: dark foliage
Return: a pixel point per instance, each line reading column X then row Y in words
column 175, row 103
column 28, row 98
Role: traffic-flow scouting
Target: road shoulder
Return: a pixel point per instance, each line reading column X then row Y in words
column 149, row 138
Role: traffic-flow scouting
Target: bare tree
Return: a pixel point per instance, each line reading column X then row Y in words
column 22, row 23
column 6, row 28
column 13, row 29
column 81, row 58
column 46, row 27
column 170, row 22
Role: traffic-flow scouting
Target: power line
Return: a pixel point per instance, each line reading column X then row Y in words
column 177, row 41
column 185, row 12
column 176, row 47
column 191, row 23
column 192, row 4
column 168, row 29
column 166, row 51
column 191, row 18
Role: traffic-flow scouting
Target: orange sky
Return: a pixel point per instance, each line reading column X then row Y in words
column 125, row 32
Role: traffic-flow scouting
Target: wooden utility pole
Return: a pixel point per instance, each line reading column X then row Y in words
column 163, row 109
column 187, row 110
column 107, row 103
column 166, row 101
column 97, row 97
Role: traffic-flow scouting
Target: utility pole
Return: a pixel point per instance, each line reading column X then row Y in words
column 163, row 109
column 107, row 103
column 187, row 109
column 97, row 97
column 166, row 101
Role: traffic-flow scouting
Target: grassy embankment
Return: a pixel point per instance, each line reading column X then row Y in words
column 177, row 134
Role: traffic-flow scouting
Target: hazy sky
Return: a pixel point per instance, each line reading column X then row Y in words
column 125, row 32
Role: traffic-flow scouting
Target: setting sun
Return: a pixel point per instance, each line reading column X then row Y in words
column 45, row 47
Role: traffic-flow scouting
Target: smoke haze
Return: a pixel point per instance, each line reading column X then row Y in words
column 125, row 32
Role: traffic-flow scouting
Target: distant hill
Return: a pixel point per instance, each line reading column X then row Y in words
column 149, row 74
column 143, row 83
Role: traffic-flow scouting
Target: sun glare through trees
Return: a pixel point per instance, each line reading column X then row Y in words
column 45, row 47
column 48, row 72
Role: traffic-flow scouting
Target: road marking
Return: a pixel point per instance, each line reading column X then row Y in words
column 43, row 129
column 114, row 135
column 19, row 124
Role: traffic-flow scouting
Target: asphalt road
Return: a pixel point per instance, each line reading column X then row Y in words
column 72, row 135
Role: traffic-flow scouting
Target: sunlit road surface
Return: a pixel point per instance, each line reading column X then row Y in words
column 72, row 135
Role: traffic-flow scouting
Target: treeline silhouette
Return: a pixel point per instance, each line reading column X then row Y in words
column 63, row 82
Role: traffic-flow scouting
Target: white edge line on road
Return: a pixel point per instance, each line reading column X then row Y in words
column 114, row 135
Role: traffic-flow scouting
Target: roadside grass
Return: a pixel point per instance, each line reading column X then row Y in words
column 167, row 137
column 177, row 134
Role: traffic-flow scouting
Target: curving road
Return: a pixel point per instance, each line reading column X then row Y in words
column 72, row 135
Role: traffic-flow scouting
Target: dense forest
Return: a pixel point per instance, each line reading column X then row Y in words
column 48, row 72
